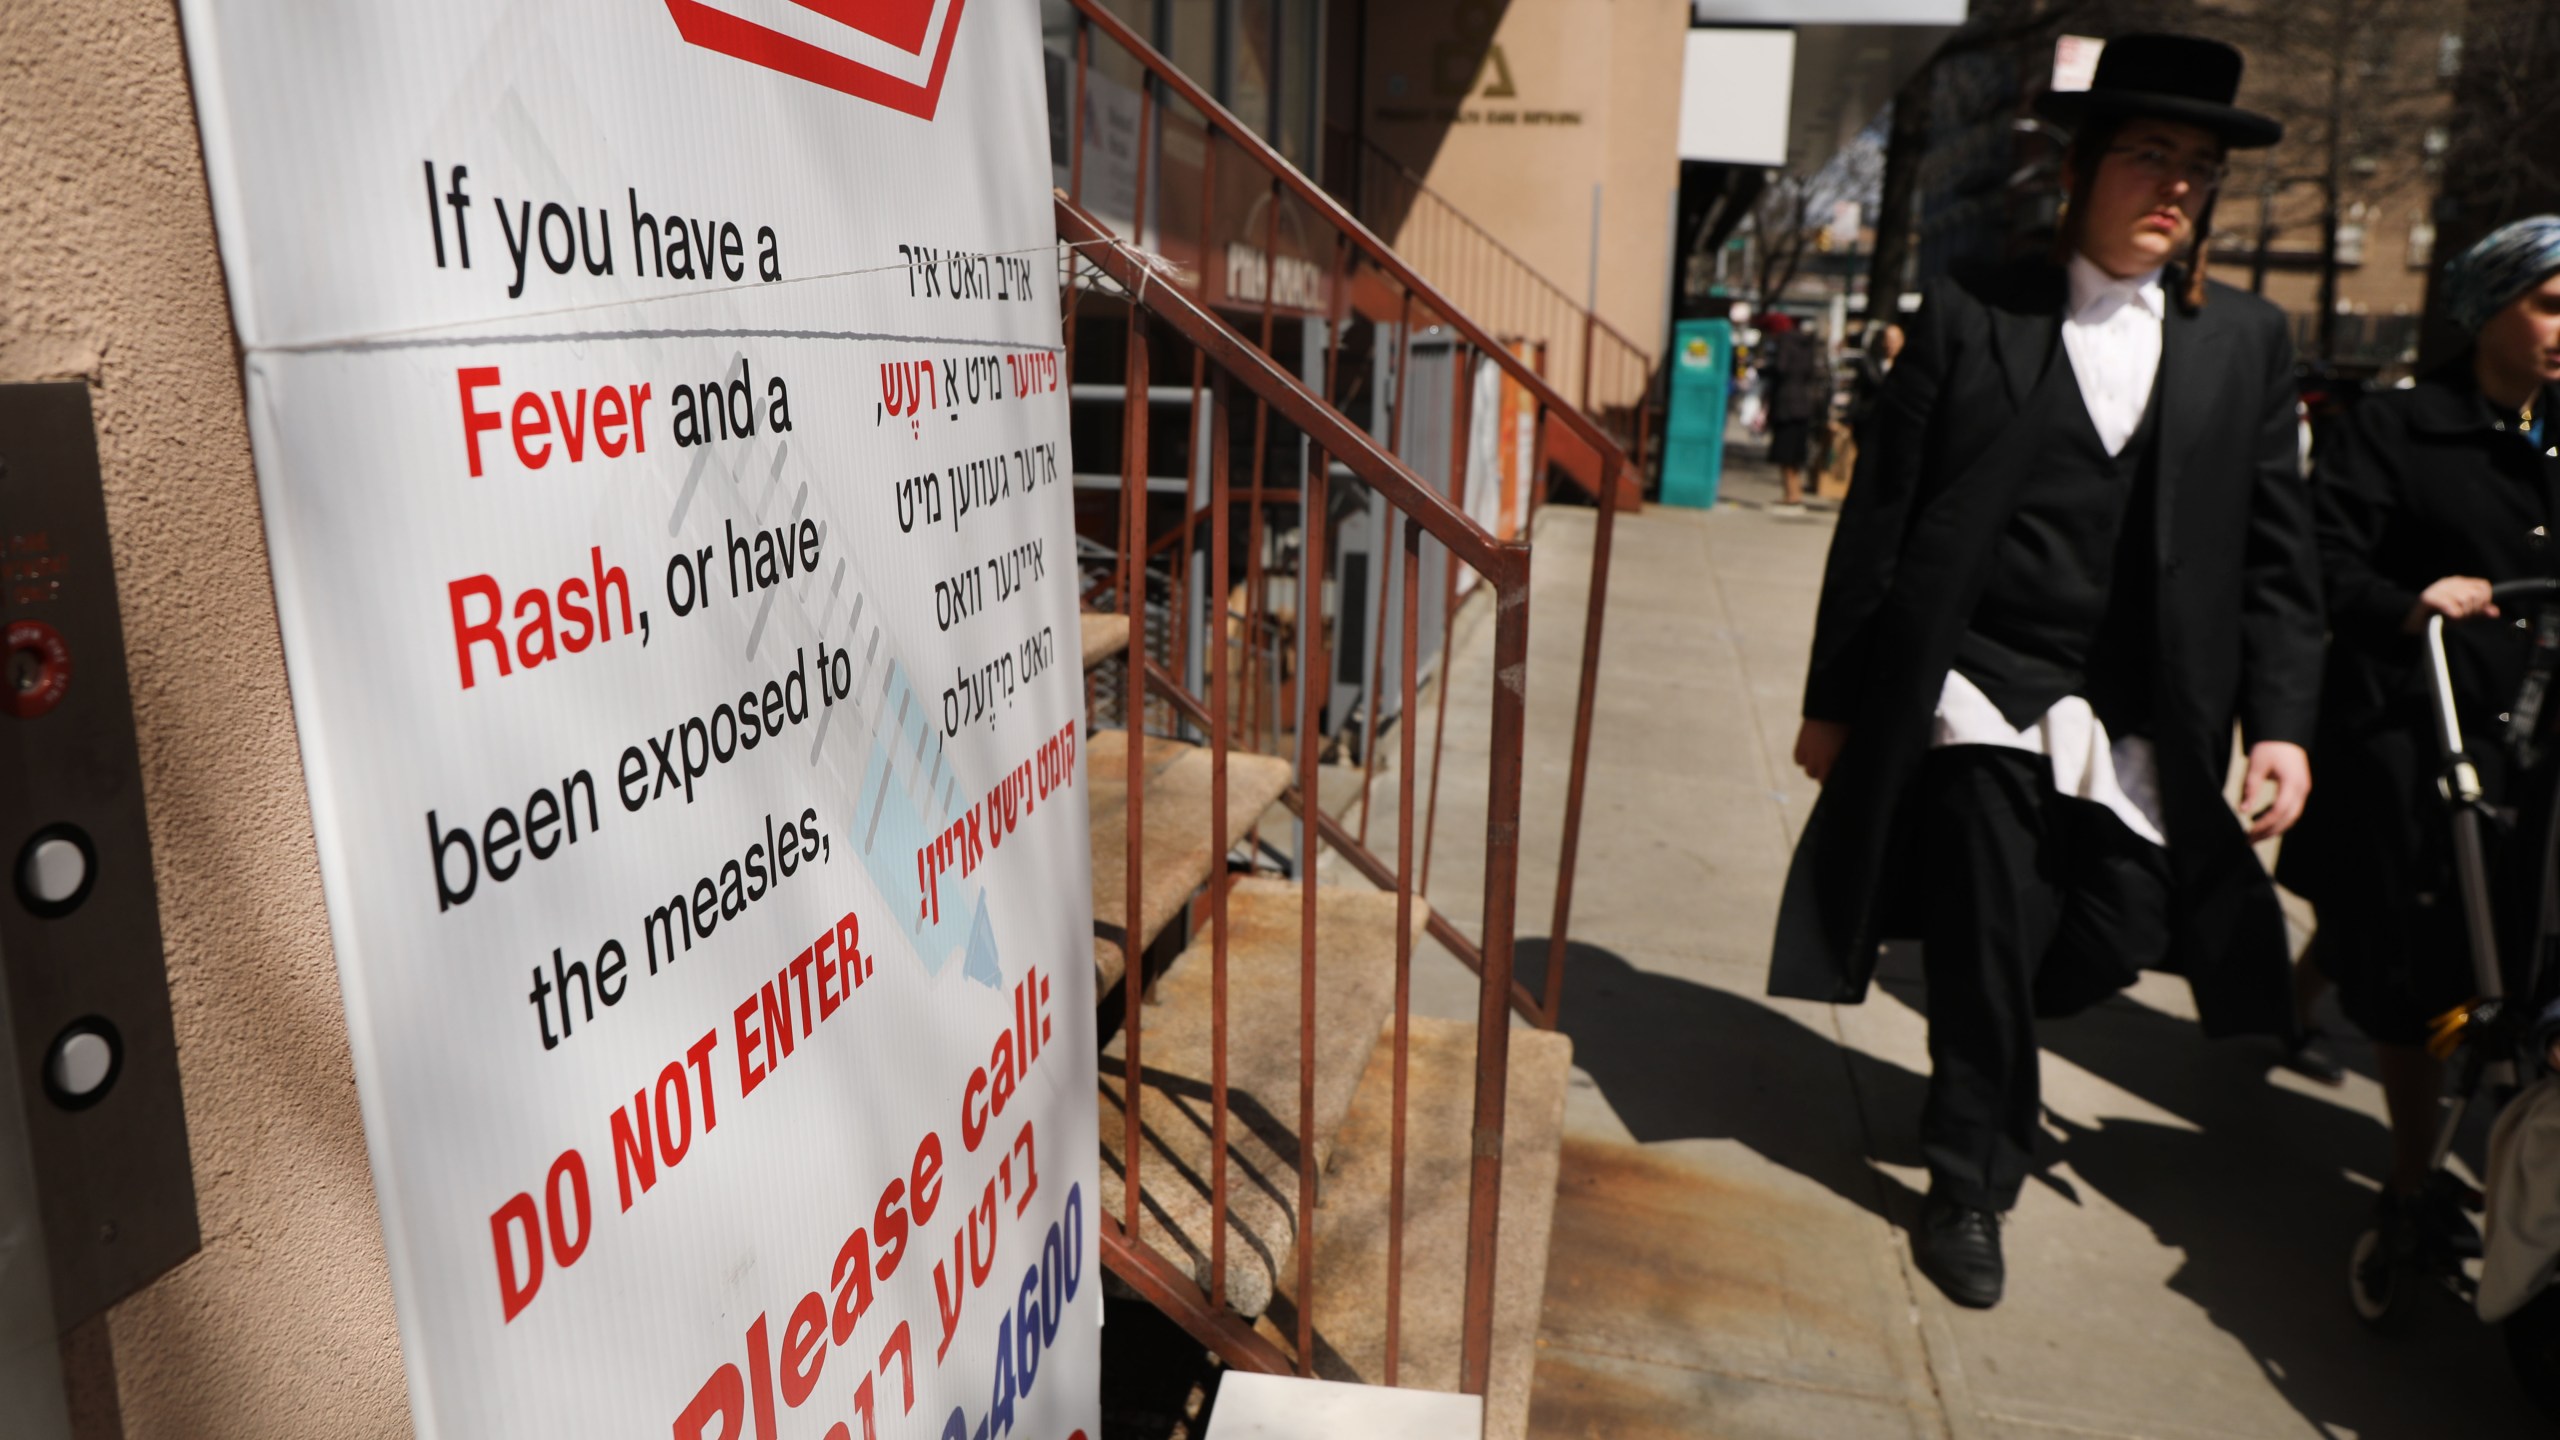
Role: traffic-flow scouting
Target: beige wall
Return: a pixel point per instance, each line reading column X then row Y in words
column 1596, row 98
column 282, row 1325
column 2387, row 183
column 1648, row 41
column 2385, row 284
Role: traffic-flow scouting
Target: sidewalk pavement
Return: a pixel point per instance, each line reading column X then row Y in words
column 1729, row 1257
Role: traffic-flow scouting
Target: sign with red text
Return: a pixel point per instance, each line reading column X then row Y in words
column 661, row 433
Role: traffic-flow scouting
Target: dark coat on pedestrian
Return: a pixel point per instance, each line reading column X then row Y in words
column 1867, row 372
column 2238, row 624
column 2413, row 486
column 1799, row 381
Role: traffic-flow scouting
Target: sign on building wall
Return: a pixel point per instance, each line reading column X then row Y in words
column 661, row 434
column 2075, row 61
column 1735, row 89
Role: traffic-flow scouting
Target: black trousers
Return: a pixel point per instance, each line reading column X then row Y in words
column 2037, row 904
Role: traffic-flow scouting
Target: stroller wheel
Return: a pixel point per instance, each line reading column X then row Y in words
column 2383, row 1288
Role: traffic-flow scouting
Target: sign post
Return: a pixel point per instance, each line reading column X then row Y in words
column 661, row 435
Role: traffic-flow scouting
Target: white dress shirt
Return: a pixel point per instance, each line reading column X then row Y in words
column 2112, row 334
column 2113, row 337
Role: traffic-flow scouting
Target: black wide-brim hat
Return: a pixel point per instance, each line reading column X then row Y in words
column 2171, row 77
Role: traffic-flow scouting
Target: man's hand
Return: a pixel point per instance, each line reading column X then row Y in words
column 2272, row 792
column 2455, row 597
column 1818, row 745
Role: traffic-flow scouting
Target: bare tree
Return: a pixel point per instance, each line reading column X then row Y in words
column 2502, row 159
column 2358, row 85
column 2506, row 110
column 1906, row 141
column 1853, row 174
column 1780, row 229
column 1995, row 25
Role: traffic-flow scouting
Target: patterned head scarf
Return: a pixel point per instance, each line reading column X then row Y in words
column 2511, row 260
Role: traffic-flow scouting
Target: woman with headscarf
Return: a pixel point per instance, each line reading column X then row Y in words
column 2425, row 498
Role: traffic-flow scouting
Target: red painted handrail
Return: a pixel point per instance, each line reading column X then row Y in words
column 1326, row 427
column 1373, row 249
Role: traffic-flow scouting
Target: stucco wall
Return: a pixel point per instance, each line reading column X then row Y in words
column 282, row 1326
column 1648, row 40
column 1514, row 111
column 1582, row 92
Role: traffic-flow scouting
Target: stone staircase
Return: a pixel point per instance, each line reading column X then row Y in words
column 1178, row 857
column 1104, row 636
column 1345, row 1118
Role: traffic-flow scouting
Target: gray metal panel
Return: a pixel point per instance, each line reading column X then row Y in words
column 1376, row 532
column 112, row 1178
column 30, row 1359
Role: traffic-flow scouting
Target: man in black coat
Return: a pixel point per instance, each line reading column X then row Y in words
column 1799, row 401
column 2077, row 551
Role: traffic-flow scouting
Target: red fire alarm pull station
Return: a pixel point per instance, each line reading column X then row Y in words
column 39, row 668
column 92, row 1065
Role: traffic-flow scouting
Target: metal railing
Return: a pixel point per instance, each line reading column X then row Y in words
column 1579, row 353
column 1229, row 227
column 1226, row 368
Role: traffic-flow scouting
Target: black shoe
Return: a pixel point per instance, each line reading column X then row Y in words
column 1959, row 1248
column 2313, row 1059
column 2424, row 1234
column 2432, row 1227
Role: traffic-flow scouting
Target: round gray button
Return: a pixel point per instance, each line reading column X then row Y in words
column 81, row 1063
column 53, row 871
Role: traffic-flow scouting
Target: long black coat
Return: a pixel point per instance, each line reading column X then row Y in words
column 2413, row 486
column 2239, row 625
column 1799, row 383
column 1866, row 392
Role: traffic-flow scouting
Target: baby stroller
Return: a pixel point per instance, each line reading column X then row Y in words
column 2499, row 1047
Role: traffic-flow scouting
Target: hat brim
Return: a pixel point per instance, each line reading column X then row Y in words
column 2240, row 129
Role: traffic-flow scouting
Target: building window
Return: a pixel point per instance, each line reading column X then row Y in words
column 2422, row 243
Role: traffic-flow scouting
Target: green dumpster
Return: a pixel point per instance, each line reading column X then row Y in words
column 1693, row 441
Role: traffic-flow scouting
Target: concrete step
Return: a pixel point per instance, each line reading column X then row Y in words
column 1179, row 858
column 1338, row 782
column 1284, row 1407
column 1355, row 989
column 1351, row 1229
column 1104, row 636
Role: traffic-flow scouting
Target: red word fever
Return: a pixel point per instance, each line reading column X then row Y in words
column 543, row 424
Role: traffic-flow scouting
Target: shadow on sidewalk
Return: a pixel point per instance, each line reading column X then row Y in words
column 1682, row 1061
column 2261, row 1188
column 2264, row 1196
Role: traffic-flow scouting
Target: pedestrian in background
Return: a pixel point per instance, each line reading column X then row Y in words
column 2426, row 497
column 2078, row 548
column 1867, row 368
column 1799, row 400
column 1751, row 381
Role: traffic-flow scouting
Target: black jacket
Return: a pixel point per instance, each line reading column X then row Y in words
column 1799, row 381
column 1867, row 374
column 2413, row 486
column 2238, row 627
